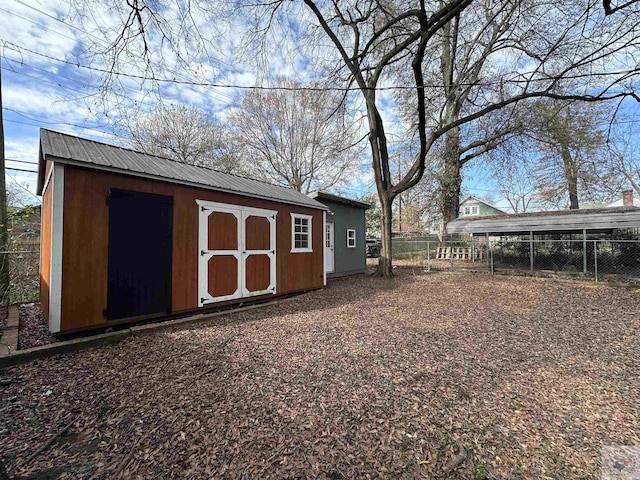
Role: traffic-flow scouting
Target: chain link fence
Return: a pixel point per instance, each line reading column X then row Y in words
column 599, row 260
column 23, row 264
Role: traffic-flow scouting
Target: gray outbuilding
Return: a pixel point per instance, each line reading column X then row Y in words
column 344, row 237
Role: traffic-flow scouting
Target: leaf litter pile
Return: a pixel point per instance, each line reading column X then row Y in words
column 435, row 376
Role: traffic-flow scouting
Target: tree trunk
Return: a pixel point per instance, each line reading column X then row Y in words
column 385, row 264
column 571, row 175
column 451, row 181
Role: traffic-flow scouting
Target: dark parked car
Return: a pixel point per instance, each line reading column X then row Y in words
column 374, row 245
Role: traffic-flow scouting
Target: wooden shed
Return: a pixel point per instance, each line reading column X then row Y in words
column 128, row 236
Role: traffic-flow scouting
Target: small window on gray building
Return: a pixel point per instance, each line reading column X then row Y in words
column 351, row 238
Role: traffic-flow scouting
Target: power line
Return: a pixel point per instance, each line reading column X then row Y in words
column 185, row 83
column 20, row 170
column 18, row 48
column 20, row 161
column 8, row 109
column 69, row 132
column 36, row 23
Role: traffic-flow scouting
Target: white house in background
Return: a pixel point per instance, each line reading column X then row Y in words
column 627, row 200
column 473, row 206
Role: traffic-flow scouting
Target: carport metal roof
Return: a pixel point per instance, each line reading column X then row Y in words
column 564, row 221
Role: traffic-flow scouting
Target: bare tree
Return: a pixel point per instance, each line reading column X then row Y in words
column 569, row 147
column 301, row 138
column 518, row 187
column 182, row 133
column 623, row 157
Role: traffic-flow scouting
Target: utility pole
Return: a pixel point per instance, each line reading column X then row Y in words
column 4, row 234
column 399, row 198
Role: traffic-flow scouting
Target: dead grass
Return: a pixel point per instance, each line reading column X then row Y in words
column 367, row 379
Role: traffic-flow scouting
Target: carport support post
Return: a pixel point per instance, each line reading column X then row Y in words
column 584, row 251
column 531, row 255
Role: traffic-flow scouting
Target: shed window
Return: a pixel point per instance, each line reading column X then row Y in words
column 351, row 238
column 300, row 233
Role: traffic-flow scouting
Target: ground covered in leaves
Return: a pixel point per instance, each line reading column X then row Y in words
column 430, row 375
column 32, row 327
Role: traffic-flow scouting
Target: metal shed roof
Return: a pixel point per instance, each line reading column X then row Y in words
column 320, row 196
column 564, row 221
column 68, row 149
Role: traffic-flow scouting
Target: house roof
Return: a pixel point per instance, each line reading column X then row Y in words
column 473, row 197
column 320, row 196
column 563, row 221
column 68, row 149
column 620, row 202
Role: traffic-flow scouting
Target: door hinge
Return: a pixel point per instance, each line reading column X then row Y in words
column 104, row 312
column 107, row 199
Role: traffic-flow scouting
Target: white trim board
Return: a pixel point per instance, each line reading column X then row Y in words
column 55, row 278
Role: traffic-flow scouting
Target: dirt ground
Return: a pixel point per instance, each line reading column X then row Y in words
column 429, row 375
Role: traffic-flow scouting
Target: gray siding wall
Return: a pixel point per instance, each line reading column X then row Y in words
column 347, row 261
column 489, row 210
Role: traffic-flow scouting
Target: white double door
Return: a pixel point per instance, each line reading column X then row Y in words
column 237, row 252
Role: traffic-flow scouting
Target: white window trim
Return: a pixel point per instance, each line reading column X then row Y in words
column 471, row 213
column 294, row 216
column 349, row 230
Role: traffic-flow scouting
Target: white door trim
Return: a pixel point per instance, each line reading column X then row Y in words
column 270, row 215
column 241, row 213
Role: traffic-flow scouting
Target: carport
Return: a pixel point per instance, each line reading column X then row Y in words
column 586, row 225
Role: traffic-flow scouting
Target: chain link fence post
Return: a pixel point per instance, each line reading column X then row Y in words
column 491, row 256
column 595, row 258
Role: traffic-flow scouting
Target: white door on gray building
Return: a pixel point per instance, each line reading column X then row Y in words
column 329, row 247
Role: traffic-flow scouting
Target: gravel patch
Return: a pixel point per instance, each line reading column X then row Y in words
column 32, row 327
column 440, row 375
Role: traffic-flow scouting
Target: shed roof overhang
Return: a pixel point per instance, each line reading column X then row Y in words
column 320, row 196
column 566, row 221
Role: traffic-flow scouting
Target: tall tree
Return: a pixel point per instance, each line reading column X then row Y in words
column 4, row 232
column 568, row 145
column 297, row 137
column 183, row 133
column 467, row 46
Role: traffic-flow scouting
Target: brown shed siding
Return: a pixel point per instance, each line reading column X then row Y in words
column 45, row 249
column 85, row 244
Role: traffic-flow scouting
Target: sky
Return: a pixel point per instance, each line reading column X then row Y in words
column 53, row 78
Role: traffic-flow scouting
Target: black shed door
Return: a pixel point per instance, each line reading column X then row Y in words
column 140, row 231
